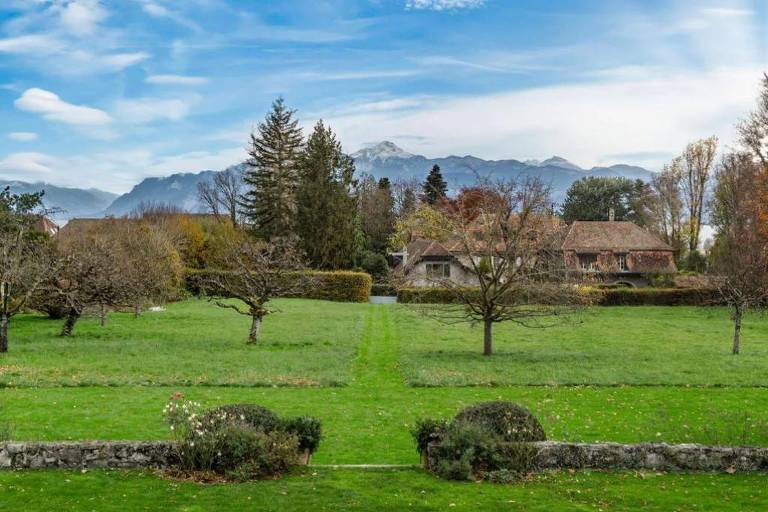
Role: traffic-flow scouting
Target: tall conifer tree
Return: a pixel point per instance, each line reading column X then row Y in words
column 326, row 206
column 435, row 188
column 271, row 175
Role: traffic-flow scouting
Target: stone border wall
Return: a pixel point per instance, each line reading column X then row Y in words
column 85, row 454
column 550, row 455
column 654, row 457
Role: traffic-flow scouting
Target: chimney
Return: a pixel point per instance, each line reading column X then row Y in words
column 611, row 214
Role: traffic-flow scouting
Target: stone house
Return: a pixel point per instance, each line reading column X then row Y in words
column 425, row 262
column 616, row 252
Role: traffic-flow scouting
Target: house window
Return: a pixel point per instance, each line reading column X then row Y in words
column 588, row 262
column 621, row 259
column 437, row 270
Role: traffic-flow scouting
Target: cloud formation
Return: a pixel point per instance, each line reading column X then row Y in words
column 53, row 108
column 176, row 80
column 23, row 136
column 443, row 5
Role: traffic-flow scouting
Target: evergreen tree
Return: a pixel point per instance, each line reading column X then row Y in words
column 271, row 175
column 326, row 206
column 591, row 198
column 377, row 212
column 435, row 188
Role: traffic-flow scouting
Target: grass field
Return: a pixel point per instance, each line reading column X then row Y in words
column 351, row 366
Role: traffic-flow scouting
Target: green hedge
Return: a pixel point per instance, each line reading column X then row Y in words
column 599, row 297
column 339, row 286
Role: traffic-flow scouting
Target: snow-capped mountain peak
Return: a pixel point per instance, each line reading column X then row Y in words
column 381, row 151
column 558, row 161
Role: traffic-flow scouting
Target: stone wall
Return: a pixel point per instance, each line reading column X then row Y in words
column 85, row 454
column 654, row 457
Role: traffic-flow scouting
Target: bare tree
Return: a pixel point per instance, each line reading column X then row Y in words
column 406, row 193
column 696, row 164
column 223, row 194
column 668, row 205
column 509, row 242
column 255, row 272
column 754, row 129
column 740, row 253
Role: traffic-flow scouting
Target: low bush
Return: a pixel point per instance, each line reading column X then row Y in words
column 239, row 442
column 595, row 296
column 338, row 286
column 386, row 290
column 375, row 264
column 491, row 440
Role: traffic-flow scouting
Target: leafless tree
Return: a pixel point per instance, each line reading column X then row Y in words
column 668, row 205
column 255, row 272
column 509, row 242
column 25, row 266
column 754, row 129
column 222, row 195
column 696, row 164
column 740, row 253
column 406, row 194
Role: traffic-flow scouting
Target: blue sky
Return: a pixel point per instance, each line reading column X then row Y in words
column 104, row 93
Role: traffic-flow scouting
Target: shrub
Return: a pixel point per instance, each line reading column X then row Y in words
column 386, row 290
column 431, row 295
column 307, row 430
column 339, row 286
column 5, row 429
column 490, row 440
column 511, row 422
column 427, row 431
column 239, row 441
column 375, row 264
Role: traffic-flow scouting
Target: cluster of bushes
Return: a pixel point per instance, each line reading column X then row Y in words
column 596, row 296
column 488, row 441
column 239, row 442
column 338, row 286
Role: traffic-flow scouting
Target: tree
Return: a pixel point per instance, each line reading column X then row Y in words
column 426, row 222
column 668, row 206
column 435, row 188
column 513, row 252
column 592, row 198
column 222, row 195
column 740, row 252
column 326, row 205
column 376, row 206
column 696, row 164
column 406, row 198
column 255, row 272
column 26, row 260
column 272, row 173
column 753, row 133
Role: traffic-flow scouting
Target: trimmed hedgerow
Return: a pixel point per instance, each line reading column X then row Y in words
column 595, row 296
column 490, row 440
column 338, row 286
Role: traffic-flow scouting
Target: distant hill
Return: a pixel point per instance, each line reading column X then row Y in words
column 384, row 159
column 73, row 202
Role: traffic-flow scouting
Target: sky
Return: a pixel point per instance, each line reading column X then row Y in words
column 103, row 93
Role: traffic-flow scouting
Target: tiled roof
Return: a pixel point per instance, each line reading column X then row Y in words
column 599, row 236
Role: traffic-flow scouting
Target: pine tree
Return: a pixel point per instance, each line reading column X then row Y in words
column 435, row 188
column 377, row 212
column 271, row 175
column 326, row 207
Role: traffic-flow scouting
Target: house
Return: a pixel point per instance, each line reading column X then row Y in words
column 611, row 252
column 616, row 252
column 425, row 262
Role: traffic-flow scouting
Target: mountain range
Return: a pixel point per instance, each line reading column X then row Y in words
column 384, row 159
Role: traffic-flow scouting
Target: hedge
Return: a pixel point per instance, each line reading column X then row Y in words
column 599, row 297
column 338, row 286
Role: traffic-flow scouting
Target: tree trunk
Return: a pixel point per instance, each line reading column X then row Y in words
column 137, row 311
column 736, row 331
column 4, row 333
column 487, row 337
column 253, row 337
column 103, row 315
column 69, row 324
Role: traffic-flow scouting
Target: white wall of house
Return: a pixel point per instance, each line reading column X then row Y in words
column 417, row 276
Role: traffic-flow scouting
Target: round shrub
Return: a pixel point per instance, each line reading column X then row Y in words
column 255, row 416
column 307, row 430
column 509, row 421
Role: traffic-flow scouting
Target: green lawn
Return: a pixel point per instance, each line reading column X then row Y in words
column 350, row 365
column 307, row 343
column 679, row 346
column 316, row 489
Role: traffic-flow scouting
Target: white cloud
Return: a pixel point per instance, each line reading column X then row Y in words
column 120, row 61
column 727, row 12
column 176, row 80
column 443, row 5
column 81, row 17
column 147, row 110
column 53, row 108
column 22, row 136
column 356, row 75
column 590, row 123
column 22, row 165
column 32, row 44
